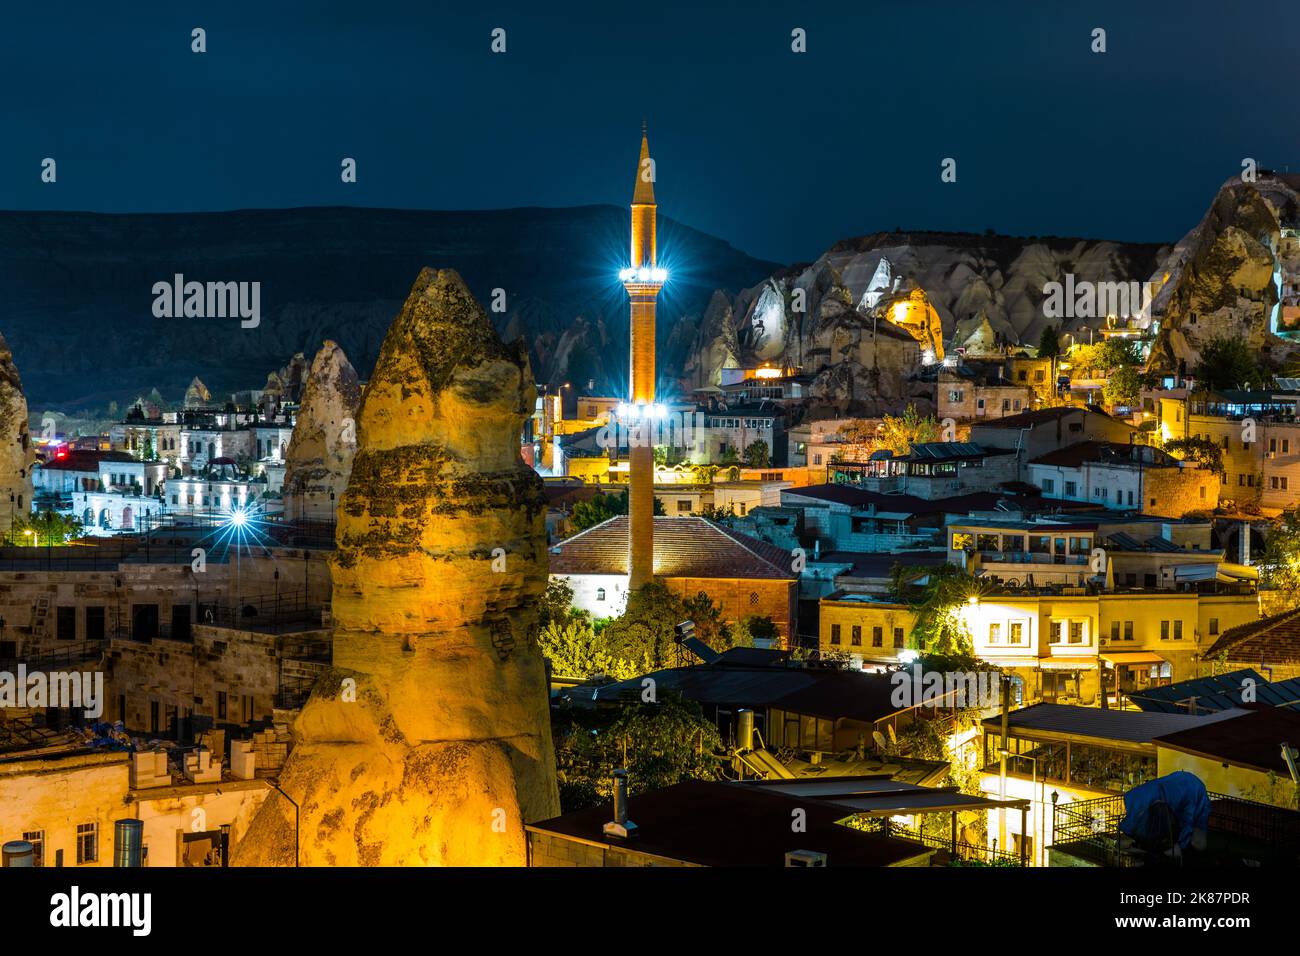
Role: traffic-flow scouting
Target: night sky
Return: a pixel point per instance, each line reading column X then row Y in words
column 779, row 153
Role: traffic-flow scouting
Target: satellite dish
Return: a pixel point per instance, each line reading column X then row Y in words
column 880, row 740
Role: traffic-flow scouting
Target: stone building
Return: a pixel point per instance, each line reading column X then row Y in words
column 742, row 575
column 16, row 452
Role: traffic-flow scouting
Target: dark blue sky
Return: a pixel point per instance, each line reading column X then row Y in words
column 780, row 154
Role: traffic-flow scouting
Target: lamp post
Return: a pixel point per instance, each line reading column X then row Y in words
column 296, row 815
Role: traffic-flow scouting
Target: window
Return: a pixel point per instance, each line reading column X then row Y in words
column 995, row 633
column 1214, row 626
column 683, row 506
column 1054, row 633
column 954, row 395
column 37, row 839
column 1071, row 489
column 1164, row 630
column 87, row 843
column 753, row 597
column 1128, row 630
column 600, row 594
column 66, row 623
column 1076, row 632
column 877, row 637
column 221, row 705
column 1286, row 446
column 1017, row 632
column 856, row 638
column 1114, row 630
column 835, row 633
column 1178, row 630
column 898, row 637
column 1049, row 486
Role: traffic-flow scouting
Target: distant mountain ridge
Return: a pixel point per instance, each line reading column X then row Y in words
column 76, row 291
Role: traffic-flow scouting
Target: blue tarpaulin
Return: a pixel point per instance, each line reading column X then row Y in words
column 1174, row 805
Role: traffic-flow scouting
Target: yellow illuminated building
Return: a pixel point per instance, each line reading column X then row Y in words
column 1064, row 645
column 915, row 314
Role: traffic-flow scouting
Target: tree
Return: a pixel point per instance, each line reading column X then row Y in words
column 756, row 454
column 1227, row 363
column 50, row 527
column 576, row 650
column 659, row 743
column 1049, row 343
column 750, row 630
column 599, row 508
column 602, row 507
column 899, row 434
column 709, row 625
column 1204, row 452
column 1123, row 386
column 939, row 606
column 1280, row 564
column 556, row 604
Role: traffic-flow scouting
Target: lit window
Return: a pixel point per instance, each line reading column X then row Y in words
column 87, row 843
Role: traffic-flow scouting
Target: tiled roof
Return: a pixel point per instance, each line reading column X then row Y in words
column 85, row 460
column 848, row 495
column 1036, row 417
column 1102, row 724
column 1108, row 451
column 1252, row 740
column 685, row 547
column 1270, row 640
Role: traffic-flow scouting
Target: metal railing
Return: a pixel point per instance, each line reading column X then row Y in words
column 960, row 853
column 1089, row 829
column 58, row 658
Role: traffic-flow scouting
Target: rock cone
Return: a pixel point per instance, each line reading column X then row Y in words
column 443, row 750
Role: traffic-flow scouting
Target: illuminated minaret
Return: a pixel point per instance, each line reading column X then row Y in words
column 643, row 279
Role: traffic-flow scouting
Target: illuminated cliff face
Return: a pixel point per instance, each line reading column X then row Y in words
column 915, row 314
column 442, row 750
column 18, row 455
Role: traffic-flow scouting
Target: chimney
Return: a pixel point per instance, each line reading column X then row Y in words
column 1245, row 542
column 19, row 853
column 805, row 858
column 128, row 842
column 744, row 730
column 620, row 827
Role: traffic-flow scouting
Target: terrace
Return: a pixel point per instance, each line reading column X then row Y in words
column 1241, row 833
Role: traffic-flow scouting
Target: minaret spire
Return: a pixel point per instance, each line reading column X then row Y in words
column 643, row 194
column 643, row 280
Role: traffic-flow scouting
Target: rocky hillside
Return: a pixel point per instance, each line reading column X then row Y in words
column 972, row 291
column 78, row 302
column 1237, row 273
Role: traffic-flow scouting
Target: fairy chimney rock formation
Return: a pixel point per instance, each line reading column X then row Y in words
column 319, row 457
column 442, row 750
column 16, row 452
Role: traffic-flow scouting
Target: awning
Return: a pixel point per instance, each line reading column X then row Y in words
column 1122, row 658
column 1066, row 664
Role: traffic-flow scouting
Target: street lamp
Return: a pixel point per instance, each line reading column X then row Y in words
column 296, row 816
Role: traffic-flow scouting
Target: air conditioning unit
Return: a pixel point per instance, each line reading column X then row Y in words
column 805, row 858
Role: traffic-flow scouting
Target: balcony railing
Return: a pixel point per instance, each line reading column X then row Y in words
column 1240, row 832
